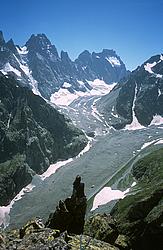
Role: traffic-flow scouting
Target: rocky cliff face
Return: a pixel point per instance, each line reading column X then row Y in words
column 38, row 66
column 138, row 99
column 32, row 134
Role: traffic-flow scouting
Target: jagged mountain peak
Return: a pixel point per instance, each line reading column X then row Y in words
column 84, row 55
column 2, row 41
column 108, row 51
column 38, row 65
column 65, row 56
column 11, row 46
column 40, row 43
column 39, row 37
column 107, row 55
column 153, row 59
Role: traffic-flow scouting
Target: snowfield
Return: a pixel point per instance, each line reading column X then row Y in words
column 64, row 97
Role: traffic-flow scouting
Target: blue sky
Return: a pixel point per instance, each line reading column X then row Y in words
column 132, row 28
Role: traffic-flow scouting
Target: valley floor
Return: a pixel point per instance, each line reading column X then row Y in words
column 109, row 152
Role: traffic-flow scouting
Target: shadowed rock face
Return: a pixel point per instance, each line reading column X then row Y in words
column 32, row 136
column 69, row 215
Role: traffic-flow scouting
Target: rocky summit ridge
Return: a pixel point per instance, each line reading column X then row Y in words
column 39, row 66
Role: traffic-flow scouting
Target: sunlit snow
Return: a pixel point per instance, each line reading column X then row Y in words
column 135, row 124
column 146, row 144
column 159, row 142
column 24, row 67
column 64, row 97
column 106, row 195
column 53, row 168
column 5, row 210
column 148, row 67
column 8, row 68
column 113, row 60
column 157, row 120
column 22, row 50
column 66, row 85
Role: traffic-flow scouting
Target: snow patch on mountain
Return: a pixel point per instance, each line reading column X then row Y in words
column 32, row 81
column 24, row 67
column 66, row 85
column 53, row 168
column 106, row 195
column 99, row 87
column 148, row 67
column 113, row 61
column 5, row 210
column 159, row 92
column 22, row 50
column 8, row 68
column 64, row 97
column 135, row 124
column 80, row 82
column 157, row 120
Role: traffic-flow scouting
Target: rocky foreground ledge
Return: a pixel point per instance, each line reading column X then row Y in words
column 63, row 230
column 137, row 227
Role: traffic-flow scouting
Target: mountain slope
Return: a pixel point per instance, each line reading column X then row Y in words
column 138, row 100
column 32, row 134
column 140, row 214
column 39, row 66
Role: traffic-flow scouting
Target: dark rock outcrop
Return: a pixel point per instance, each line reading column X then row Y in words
column 70, row 214
column 42, row 238
column 32, row 136
column 140, row 95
